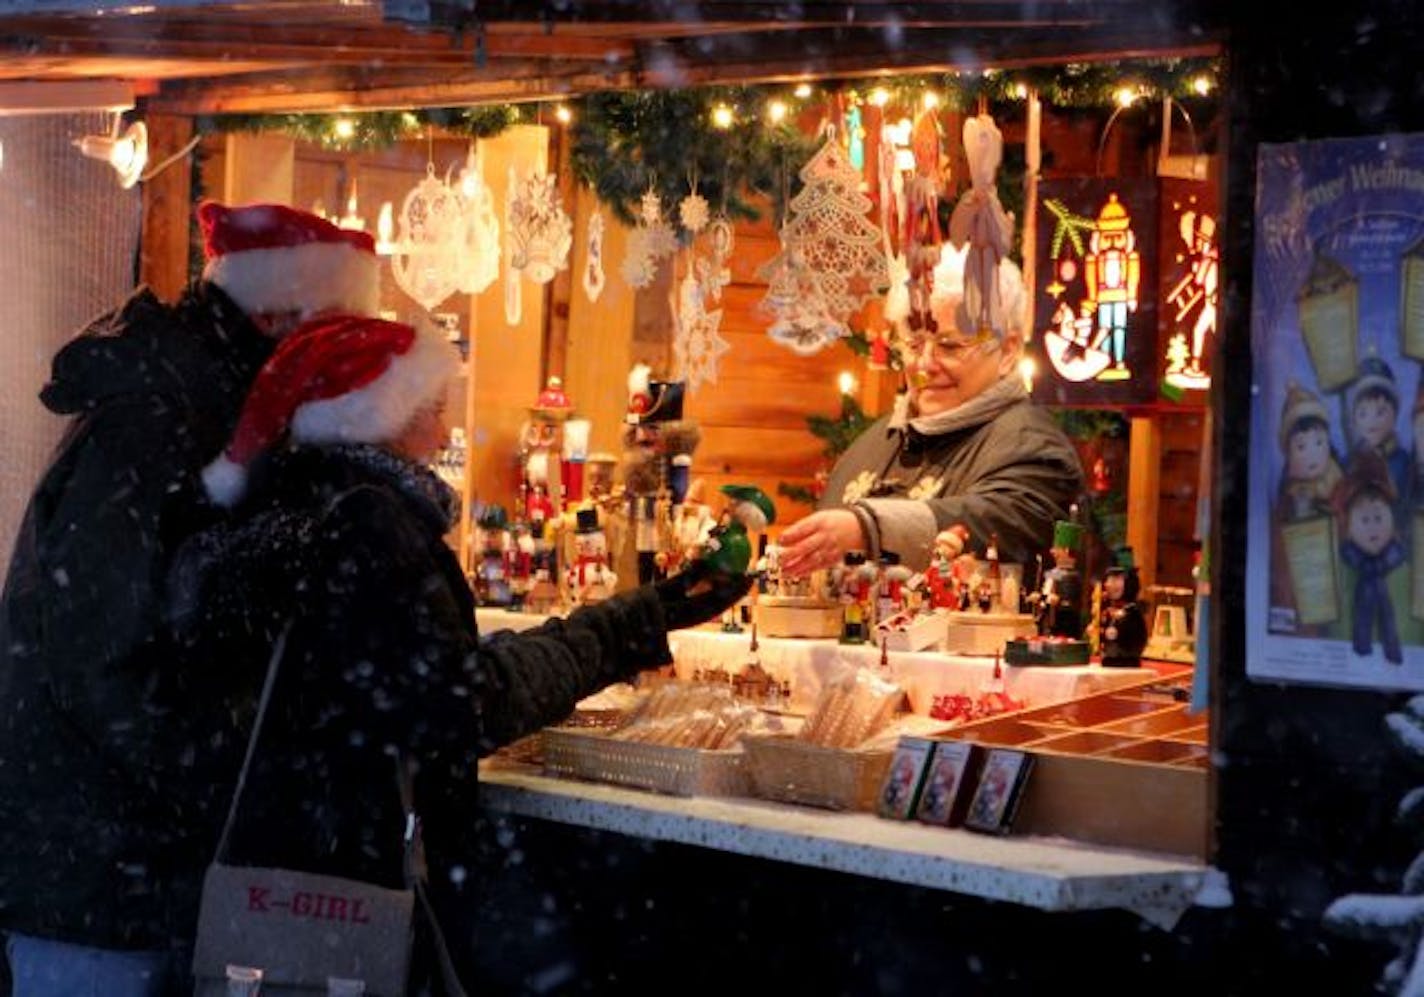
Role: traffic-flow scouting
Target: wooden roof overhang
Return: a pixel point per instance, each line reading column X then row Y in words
column 194, row 57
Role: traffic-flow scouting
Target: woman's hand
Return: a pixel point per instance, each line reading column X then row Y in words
column 819, row 541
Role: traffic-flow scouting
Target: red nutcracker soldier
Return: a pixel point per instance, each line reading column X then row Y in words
column 1112, row 271
column 541, row 450
column 519, row 565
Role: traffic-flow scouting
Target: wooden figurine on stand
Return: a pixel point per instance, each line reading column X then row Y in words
column 940, row 577
column 1122, row 625
column 657, row 458
column 589, row 578
column 729, row 545
column 855, row 583
column 1060, row 602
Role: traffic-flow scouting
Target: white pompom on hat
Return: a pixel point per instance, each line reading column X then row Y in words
column 340, row 379
column 273, row 258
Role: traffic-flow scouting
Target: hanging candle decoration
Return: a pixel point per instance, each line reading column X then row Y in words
column 480, row 266
column 712, row 270
column 593, row 277
column 540, row 232
column 428, row 250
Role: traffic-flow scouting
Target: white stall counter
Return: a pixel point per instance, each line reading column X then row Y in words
column 1049, row 874
column 810, row 664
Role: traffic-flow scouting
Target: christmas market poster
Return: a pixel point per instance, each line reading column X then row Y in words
column 1335, row 560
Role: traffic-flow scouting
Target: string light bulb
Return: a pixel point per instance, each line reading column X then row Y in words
column 1201, row 85
column 931, row 100
column 1125, row 96
column 846, row 382
column 802, row 91
column 722, row 116
column 1021, row 91
column 880, row 96
column 563, row 114
column 343, row 128
column 776, row 111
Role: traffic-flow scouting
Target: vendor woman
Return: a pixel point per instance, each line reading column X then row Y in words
column 963, row 445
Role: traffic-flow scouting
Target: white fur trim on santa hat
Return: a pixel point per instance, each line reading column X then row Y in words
column 225, row 481
column 308, row 278
column 380, row 411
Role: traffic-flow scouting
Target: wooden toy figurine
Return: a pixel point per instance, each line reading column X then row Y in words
column 729, row 545
column 1122, row 625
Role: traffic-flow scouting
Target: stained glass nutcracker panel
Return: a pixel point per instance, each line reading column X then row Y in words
column 1095, row 335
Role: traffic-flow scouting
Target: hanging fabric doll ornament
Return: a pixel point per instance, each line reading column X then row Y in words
column 829, row 234
column 429, row 248
column 540, row 232
column 480, row 267
column 981, row 221
column 593, row 279
column 650, row 242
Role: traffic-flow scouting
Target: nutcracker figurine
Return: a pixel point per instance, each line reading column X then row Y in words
column 729, row 546
column 1122, row 625
column 1059, row 608
column 855, row 583
column 941, row 576
column 1112, row 270
column 658, row 447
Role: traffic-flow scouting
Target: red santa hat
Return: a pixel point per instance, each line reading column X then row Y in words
column 341, row 379
column 271, row 258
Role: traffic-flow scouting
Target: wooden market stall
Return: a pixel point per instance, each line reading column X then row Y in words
column 187, row 68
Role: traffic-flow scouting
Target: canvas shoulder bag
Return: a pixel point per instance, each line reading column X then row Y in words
column 297, row 933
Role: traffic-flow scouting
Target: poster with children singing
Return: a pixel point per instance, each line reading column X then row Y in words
column 1335, row 564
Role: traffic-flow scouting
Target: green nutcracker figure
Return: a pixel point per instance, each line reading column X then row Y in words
column 729, row 545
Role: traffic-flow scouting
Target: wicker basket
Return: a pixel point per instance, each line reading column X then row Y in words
column 795, row 771
column 659, row 767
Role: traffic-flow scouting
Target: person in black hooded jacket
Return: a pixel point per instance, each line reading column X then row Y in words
column 93, row 772
column 338, row 539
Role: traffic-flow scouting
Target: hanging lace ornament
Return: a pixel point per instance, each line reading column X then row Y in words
column 513, row 293
column 480, row 267
column 828, row 227
column 712, row 270
column 801, row 319
column 897, row 298
column 650, row 242
column 540, row 232
column 593, row 279
column 981, row 222
column 426, row 258
column 697, row 344
column 693, row 212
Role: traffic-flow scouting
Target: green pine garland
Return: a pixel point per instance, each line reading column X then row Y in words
column 372, row 130
column 628, row 143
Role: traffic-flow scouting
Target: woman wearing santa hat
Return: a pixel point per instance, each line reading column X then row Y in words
column 341, row 536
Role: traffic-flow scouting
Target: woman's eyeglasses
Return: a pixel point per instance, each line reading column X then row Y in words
column 949, row 347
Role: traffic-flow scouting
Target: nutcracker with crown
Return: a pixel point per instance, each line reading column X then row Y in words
column 657, row 465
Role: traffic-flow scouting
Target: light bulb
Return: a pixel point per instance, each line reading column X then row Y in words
column 776, row 112
column 343, row 128
column 722, row 116
column 1027, row 370
column 563, row 113
column 1202, row 85
column 880, row 96
column 803, row 90
column 931, row 100
column 846, row 382
column 1125, row 96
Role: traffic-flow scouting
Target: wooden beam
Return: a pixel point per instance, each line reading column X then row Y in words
column 167, row 208
column 1144, row 494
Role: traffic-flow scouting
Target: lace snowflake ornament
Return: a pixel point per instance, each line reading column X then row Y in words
column 697, row 344
column 593, row 277
column 430, row 241
column 480, row 266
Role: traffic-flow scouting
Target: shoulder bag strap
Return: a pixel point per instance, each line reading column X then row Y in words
column 278, row 650
column 415, row 878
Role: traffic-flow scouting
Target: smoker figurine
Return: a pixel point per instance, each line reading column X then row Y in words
column 1122, row 626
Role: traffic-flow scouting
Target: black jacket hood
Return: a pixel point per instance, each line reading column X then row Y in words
column 138, row 349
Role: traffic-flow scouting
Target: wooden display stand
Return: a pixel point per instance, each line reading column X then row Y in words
column 1124, row 768
column 797, row 616
column 985, row 633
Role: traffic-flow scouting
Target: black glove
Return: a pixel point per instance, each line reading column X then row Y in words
column 699, row 594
